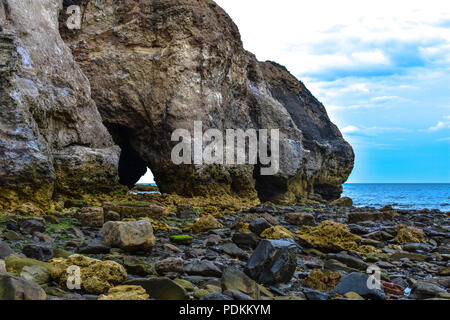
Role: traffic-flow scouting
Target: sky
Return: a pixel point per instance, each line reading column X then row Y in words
column 381, row 68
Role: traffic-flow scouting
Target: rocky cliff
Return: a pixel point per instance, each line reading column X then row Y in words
column 52, row 140
column 159, row 65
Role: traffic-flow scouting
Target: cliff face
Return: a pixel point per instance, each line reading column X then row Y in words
column 52, row 140
column 156, row 66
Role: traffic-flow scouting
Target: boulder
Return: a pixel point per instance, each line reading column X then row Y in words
column 169, row 265
column 330, row 236
column 235, row 280
column 273, row 261
column 161, row 65
column 15, row 263
column 206, row 223
column 358, row 283
column 5, row 250
column 322, row 280
column 92, row 217
column 37, row 274
column 130, row 236
column 96, row 276
column 300, row 219
column 343, row 202
column 31, row 226
column 14, row 288
column 126, row 293
column 53, row 141
column 38, row 252
column 258, row 226
column 160, row 288
column 277, row 232
column 245, row 240
column 408, row 235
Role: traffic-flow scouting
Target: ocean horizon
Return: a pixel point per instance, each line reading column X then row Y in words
column 414, row 196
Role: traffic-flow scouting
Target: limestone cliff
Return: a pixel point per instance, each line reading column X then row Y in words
column 159, row 65
column 52, row 140
column 156, row 66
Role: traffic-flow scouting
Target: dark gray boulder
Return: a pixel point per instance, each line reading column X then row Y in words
column 273, row 261
column 358, row 282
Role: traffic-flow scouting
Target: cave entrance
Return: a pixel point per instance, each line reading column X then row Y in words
column 147, row 178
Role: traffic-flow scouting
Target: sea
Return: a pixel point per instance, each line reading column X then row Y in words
column 416, row 196
column 400, row 196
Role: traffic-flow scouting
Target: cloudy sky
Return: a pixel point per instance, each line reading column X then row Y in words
column 381, row 68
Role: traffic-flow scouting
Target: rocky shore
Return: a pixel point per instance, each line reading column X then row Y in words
column 164, row 247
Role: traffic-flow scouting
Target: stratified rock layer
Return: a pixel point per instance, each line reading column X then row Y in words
column 157, row 66
column 52, row 140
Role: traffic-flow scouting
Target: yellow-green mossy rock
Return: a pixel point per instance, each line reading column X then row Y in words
column 127, row 293
column 15, row 263
column 96, row 276
column 410, row 235
column 329, row 235
column 353, row 296
column 28, row 209
column 206, row 223
column 342, row 202
column 322, row 280
column 277, row 232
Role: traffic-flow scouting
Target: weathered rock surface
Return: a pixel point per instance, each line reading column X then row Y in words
column 13, row 288
column 52, row 140
column 157, row 66
column 273, row 261
column 131, row 236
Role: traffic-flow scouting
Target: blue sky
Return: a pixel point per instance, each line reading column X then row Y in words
column 381, row 68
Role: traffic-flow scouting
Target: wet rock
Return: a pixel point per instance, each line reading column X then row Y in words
column 126, row 293
column 246, row 240
column 94, row 246
column 12, row 226
column 96, row 276
column 213, row 240
column 37, row 274
column 424, row 290
column 130, row 236
column 12, row 235
column 217, row 297
column 408, row 255
column 5, row 250
column 259, row 225
column 206, row 223
column 16, row 263
column 409, row 235
column 348, row 260
column 203, row 268
column 234, row 251
column 317, row 295
column 300, row 219
column 14, row 288
column 38, row 252
column 170, row 265
column 334, row 265
column 329, row 236
column 413, row 247
column 273, row 261
column 92, row 217
column 276, row 233
column 237, row 295
column 138, row 267
column 342, row 202
column 234, row 279
column 160, row 288
column 30, row 226
column 358, row 283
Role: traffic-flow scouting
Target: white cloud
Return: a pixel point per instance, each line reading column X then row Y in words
column 445, row 124
column 350, row 129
